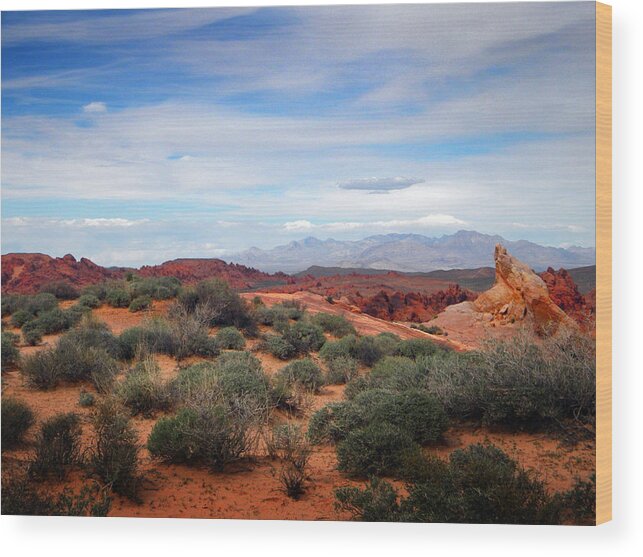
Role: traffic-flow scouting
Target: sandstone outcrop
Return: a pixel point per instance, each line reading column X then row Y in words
column 519, row 294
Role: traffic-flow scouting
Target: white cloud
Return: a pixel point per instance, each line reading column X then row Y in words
column 298, row 225
column 380, row 184
column 95, row 107
column 427, row 221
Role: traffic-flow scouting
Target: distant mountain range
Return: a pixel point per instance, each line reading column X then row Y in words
column 410, row 253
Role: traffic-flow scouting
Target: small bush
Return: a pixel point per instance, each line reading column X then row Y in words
column 86, row 399
column 367, row 351
column 10, row 352
column 114, row 455
column 305, row 337
column 189, row 332
column 118, row 298
column 20, row 317
column 279, row 347
column 20, row 497
column 342, row 348
column 61, row 290
column 223, row 305
column 143, row 391
column 16, row 420
column 32, row 336
column 341, row 370
column 157, row 288
column 96, row 290
column 331, row 424
column 378, row 449
column 57, row 446
column 92, row 333
column 290, row 445
column 415, row 347
column 140, row 303
column 154, row 336
column 336, row 325
column 432, row 330
column 229, row 338
column 303, row 372
column 89, row 301
column 71, row 363
column 387, row 343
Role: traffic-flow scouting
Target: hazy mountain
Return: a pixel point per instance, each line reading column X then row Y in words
column 410, row 252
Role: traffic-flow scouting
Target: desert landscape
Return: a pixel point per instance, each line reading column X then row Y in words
column 294, row 362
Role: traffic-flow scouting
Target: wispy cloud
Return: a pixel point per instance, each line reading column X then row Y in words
column 427, row 221
column 380, row 184
column 95, row 107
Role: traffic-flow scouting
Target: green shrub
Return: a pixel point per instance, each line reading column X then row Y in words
column 367, row 351
column 153, row 336
column 143, row 391
column 387, row 343
column 96, row 290
column 16, row 420
column 305, row 337
column 69, row 362
column 89, row 301
column 10, row 352
column 57, row 446
column 32, row 335
column 342, row 348
column 118, row 298
column 279, row 347
column 20, row 317
column 229, row 338
column 172, row 438
column 332, row 423
column 517, row 383
column 140, row 303
column 377, row 502
column 92, row 333
column 378, row 449
column 396, row 373
column 305, row 373
column 20, row 497
column 53, row 321
column 341, row 370
column 86, row 399
column 224, row 305
column 61, row 290
column 157, row 288
column 414, row 347
column 432, row 330
column 289, row 444
column 114, row 455
column 39, row 303
column 190, row 332
column 336, row 325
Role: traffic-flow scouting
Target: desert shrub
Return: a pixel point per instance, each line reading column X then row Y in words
column 387, row 343
column 230, row 338
column 432, row 330
column 89, row 301
column 367, row 351
column 189, row 332
column 305, row 337
column 20, row 496
column 97, row 290
column 518, row 383
column 415, row 413
column 114, row 454
column 341, row 370
column 143, row 390
column 289, row 444
column 140, row 303
column 378, row 449
column 118, row 298
column 305, row 373
column 157, row 288
column 336, row 325
column 10, row 352
column 279, row 315
column 54, row 320
column 69, row 362
column 395, row 373
column 342, row 348
column 279, row 347
column 11, row 303
column 20, row 317
column 86, row 399
column 32, row 335
column 479, row 484
column 415, row 347
column 61, row 289
column 579, row 503
column 224, row 306
column 39, row 303
column 205, row 432
column 57, row 446
column 16, row 420
column 92, row 333
column 153, row 336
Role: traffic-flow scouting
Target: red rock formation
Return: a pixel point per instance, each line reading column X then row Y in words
column 412, row 306
column 564, row 293
column 26, row 273
column 519, row 294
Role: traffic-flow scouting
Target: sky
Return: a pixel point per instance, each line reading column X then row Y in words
column 136, row 136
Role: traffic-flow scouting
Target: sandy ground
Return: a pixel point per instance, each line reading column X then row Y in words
column 252, row 489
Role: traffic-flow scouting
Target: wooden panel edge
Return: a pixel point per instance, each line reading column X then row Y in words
column 603, row 263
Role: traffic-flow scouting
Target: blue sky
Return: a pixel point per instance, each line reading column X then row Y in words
column 138, row 136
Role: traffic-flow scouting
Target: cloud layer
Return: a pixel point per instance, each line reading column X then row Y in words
column 253, row 126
